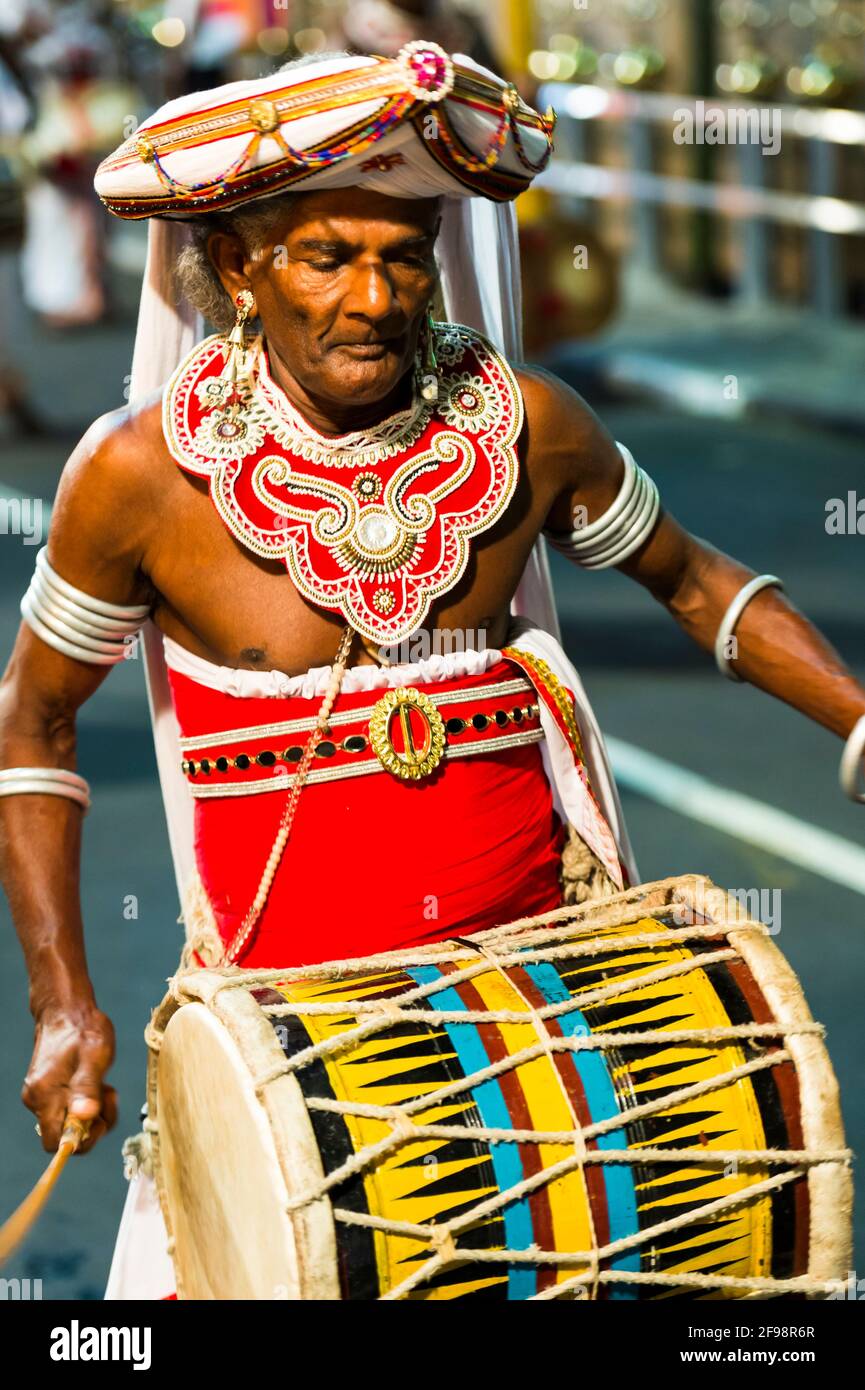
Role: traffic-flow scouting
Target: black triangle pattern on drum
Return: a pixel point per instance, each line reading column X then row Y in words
column 404, row 1059
column 407, row 1078
column 356, row 1249
column 777, row 1128
column 676, row 1187
column 413, row 1047
column 654, row 1073
column 636, row 1083
column 448, row 1151
column 460, row 1190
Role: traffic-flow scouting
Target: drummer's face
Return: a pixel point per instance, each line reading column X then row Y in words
column 342, row 283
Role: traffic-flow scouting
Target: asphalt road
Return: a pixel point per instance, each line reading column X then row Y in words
column 757, row 491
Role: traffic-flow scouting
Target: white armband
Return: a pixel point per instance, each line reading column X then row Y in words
column 732, row 616
column 851, row 759
column 624, row 527
column 88, row 629
column 53, row 781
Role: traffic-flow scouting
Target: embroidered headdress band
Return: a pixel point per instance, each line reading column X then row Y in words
column 419, row 125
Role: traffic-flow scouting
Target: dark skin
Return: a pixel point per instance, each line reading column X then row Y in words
column 341, row 310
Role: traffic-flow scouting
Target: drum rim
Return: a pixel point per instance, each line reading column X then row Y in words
column 248, row 1030
column 830, row 1185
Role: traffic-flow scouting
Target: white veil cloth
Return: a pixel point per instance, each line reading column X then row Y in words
column 479, row 261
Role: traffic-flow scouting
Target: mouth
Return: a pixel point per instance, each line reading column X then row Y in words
column 368, row 352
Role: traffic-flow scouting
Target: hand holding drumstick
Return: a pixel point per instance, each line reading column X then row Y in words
column 64, row 1088
column 73, row 1049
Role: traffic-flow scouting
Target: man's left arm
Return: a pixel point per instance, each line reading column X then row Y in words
column 777, row 648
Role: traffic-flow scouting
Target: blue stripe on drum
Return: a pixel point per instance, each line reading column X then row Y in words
column 601, row 1099
column 493, row 1110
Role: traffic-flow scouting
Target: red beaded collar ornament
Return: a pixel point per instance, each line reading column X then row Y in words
column 372, row 525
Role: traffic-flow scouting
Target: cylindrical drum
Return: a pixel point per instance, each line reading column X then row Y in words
column 627, row 1099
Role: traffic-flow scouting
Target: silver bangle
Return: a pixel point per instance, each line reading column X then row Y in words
column 50, row 781
column 732, row 616
column 848, row 772
column 74, row 613
column 99, row 607
column 623, row 528
column 49, row 616
column 65, row 618
column 639, row 527
column 603, row 525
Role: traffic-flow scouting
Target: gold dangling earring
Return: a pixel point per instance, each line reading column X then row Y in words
column 235, row 365
column 244, row 304
column 428, row 362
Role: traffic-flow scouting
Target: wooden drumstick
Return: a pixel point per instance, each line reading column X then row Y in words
column 21, row 1221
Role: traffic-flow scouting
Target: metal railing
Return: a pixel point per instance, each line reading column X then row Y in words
column 749, row 202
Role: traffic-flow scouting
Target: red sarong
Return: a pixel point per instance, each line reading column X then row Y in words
column 375, row 863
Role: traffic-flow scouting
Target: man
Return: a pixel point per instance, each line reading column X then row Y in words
column 379, row 26
column 402, row 472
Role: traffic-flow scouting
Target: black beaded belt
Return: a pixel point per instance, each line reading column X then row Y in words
column 407, row 732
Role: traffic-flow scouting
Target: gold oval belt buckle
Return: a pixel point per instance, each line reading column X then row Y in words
column 419, row 756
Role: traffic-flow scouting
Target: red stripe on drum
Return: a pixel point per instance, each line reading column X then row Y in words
column 787, row 1085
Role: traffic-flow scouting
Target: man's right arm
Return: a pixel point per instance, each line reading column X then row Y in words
column 96, row 543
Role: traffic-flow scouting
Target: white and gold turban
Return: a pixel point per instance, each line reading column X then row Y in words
column 420, row 125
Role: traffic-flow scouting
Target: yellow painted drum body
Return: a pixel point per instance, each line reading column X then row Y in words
column 631, row 1101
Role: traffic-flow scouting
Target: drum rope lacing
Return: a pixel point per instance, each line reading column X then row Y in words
column 535, row 946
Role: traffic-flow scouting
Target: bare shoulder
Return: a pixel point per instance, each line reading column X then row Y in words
column 560, row 423
column 117, row 456
column 108, row 499
column 549, row 401
column 568, row 449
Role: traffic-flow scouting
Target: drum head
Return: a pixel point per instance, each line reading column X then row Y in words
column 221, row 1178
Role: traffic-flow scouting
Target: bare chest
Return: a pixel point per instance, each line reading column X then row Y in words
column 224, row 603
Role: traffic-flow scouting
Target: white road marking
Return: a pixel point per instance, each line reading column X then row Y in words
column 695, row 797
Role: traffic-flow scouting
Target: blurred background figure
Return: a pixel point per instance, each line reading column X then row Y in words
column 82, row 110
column 379, row 26
column 661, row 103
column 17, row 112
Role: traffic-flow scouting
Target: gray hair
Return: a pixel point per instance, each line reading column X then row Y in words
column 195, row 273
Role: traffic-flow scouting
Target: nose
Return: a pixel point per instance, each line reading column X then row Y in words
column 370, row 295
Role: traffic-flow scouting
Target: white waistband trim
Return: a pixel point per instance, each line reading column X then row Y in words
column 272, row 684
column 499, row 690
